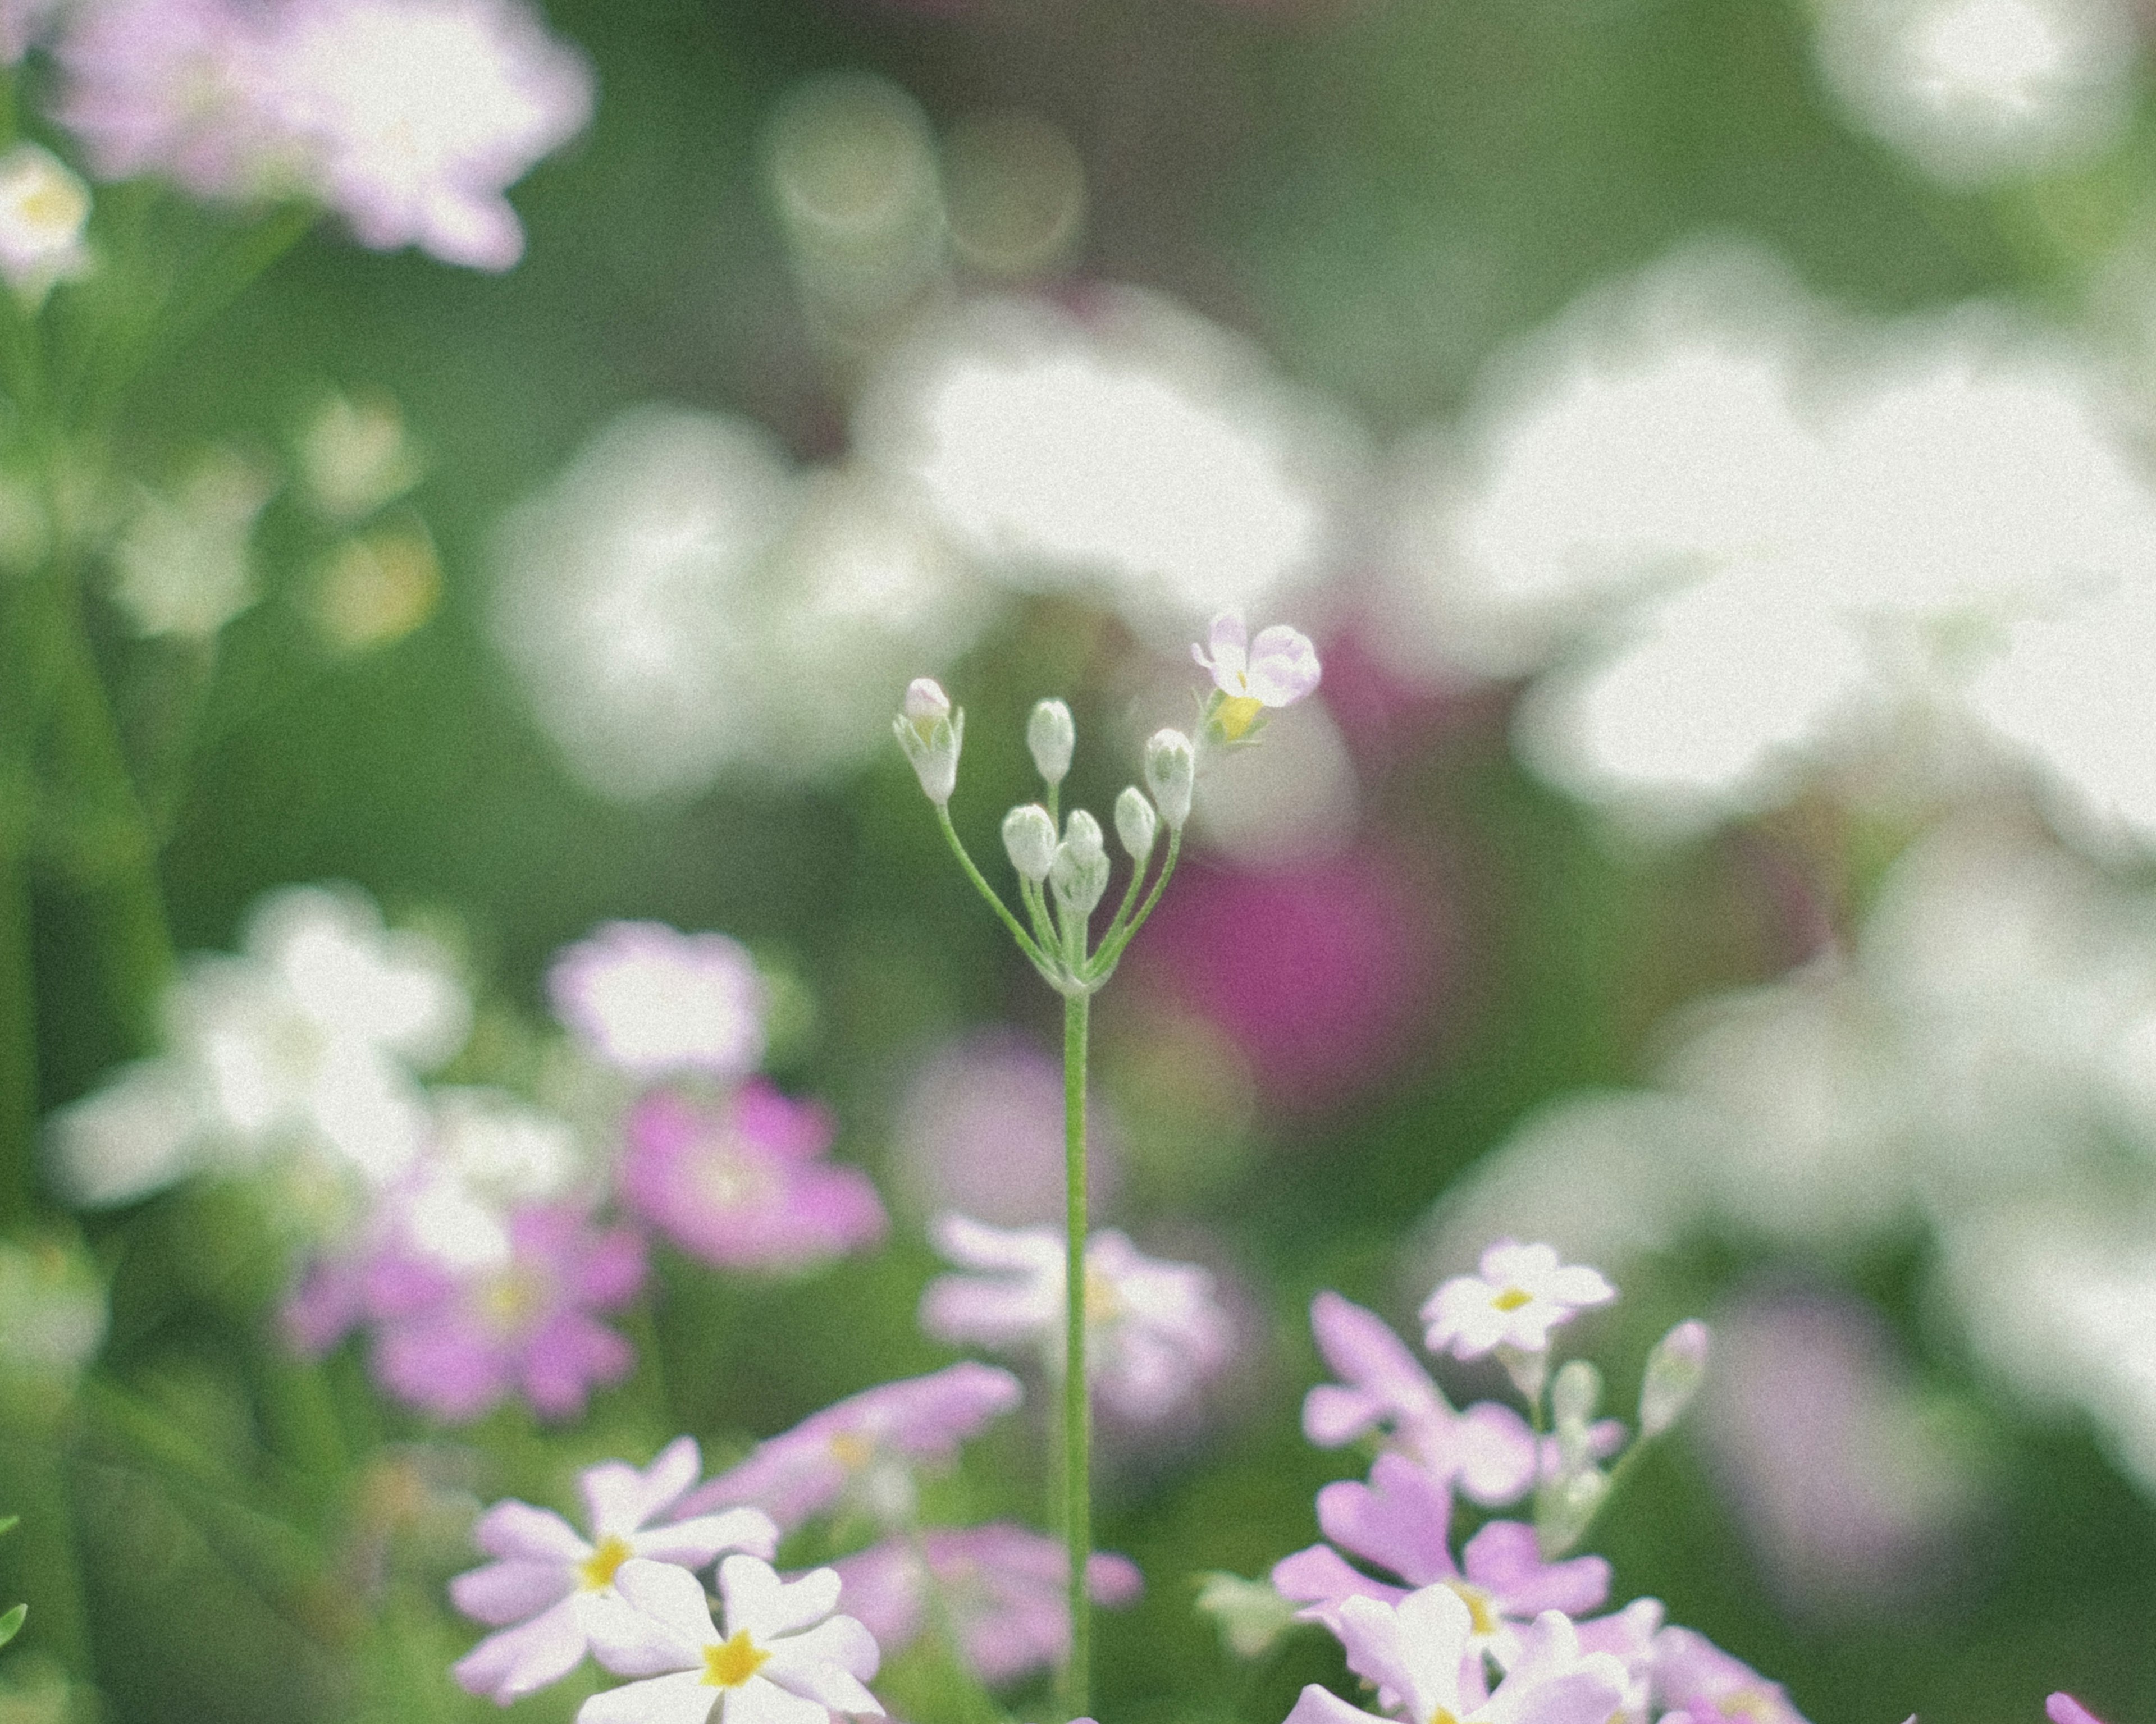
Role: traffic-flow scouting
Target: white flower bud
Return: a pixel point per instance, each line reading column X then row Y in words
column 1030, row 840
column 1575, row 1392
column 1136, row 824
column 1251, row 1614
column 1080, row 872
column 930, row 733
column 1564, row 1509
column 1052, row 736
column 1675, row 1369
column 1171, row 769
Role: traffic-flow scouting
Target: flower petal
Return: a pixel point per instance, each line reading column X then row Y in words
column 684, row 1698
column 768, row 1607
column 692, row 1543
column 515, row 1529
column 814, row 1663
column 520, row 1660
column 511, row 1591
column 672, row 1597
column 620, row 1499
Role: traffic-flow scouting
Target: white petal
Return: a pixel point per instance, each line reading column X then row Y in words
column 672, row 1597
column 692, row 1543
column 620, row 1499
column 768, row 1607
column 681, row 1699
column 757, row 1701
column 841, row 1643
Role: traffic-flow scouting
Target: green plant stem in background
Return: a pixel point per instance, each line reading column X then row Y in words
column 1077, row 1394
column 33, row 1484
column 18, row 1064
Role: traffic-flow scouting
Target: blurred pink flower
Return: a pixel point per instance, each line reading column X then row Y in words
column 1694, row 1676
column 740, row 1183
column 868, row 1445
column 456, row 1343
column 654, row 1002
column 1322, row 971
column 1003, row 1585
column 557, row 1588
column 1155, row 1331
column 2064, row 1709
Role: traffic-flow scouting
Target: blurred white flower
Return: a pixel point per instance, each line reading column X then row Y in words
column 52, row 1313
column 1129, row 449
column 654, row 1002
column 356, row 455
column 1978, row 90
column 43, row 208
column 680, row 602
column 183, row 566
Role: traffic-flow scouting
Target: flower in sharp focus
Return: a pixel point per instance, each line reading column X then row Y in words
column 455, row 1344
column 782, row 1646
column 43, row 208
column 1003, row 1585
column 1522, row 1293
column 1276, row 669
column 741, row 1184
column 1400, row 1521
column 1487, row 1450
column 867, row 1446
column 654, row 1002
column 1416, row 1652
column 549, row 1587
column 1155, row 1333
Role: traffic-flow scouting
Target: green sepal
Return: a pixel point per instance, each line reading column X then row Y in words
column 12, row 1622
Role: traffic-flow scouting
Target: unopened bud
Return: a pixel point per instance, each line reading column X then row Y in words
column 1030, row 840
column 1565, row 1508
column 1080, row 872
column 1675, row 1369
column 1575, row 1392
column 1136, row 824
column 1171, row 769
column 931, row 731
column 1251, row 1614
column 1052, row 736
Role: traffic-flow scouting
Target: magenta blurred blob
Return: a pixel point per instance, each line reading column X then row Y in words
column 740, row 1183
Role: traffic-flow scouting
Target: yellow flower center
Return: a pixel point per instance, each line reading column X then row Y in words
column 852, row 1450
column 1480, row 1617
column 1237, row 714
column 511, row 1299
column 732, row 1662
column 1441, row 1716
column 597, row 1570
column 1746, row 1703
column 1512, row 1298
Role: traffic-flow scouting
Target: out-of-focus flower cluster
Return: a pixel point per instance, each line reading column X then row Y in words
column 464, row 1226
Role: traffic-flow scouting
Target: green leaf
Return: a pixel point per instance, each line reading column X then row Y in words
column 11, row 1621
column 8, row 1524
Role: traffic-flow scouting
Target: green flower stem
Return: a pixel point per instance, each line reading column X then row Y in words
column 1025, row 943
column 1077, row 1394
column 1036, row 906
column 1123, row 915
column 1112, row 946
column 19, row 1015
column 43, row 1559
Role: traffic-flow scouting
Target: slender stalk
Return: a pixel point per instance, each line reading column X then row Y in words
column 1077, row 1395
column 1112, row 946
column 995, row 903
column 18, row 1058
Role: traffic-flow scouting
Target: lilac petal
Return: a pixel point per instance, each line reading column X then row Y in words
column 758, row 1600
column 1283, row 666
column 880, row 1589
column 1112, row 1580
column 1320, row 1578
column 520, row 1660
column 1400, row 1520
column 684, row 1698
column 2064, row 1709
column 1318, row 1706
column 1333, row 1416
column 513, row 1591
column 569, row 1354
column 439, row 1363
column 619, row 1498
column 514, row 1529
column 692, row 1543
column 1505, row 1561
column 1584, row 1697
column 1495, row 1453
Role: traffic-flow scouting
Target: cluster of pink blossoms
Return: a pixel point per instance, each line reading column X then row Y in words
column 1506, row 1627
column 483, row 1269
column 625, row 1595
column 409, row 118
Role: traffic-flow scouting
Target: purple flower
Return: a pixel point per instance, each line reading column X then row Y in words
column 782, row 1658
column 739, row 1184
column 1154, row 1330
column 867, row 1445
column 1418, row 1653
column 556, row 1587
column 1488, row 1450
column 1003, row 1586
column 457, row 1344
column 654, row 1002
column 1399, row 1521
column 1693, row 1675
column 1522, row 1293
column 2064, row 1709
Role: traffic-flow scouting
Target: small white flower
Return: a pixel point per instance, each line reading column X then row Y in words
column 652, row 1002
column 43, row 208
column 781, row 1647
column 183, row 566
column 1522, row 1293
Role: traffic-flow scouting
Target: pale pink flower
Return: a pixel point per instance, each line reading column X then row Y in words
column 654, row 1002
column 1693, row 1675
column 551, row 1590
column 1278, row 668
column 742, row 1182
column 23, row 22
column 782, row 1657
column 1522, row 1293
column 1155, row 1331
column 1003, row 1586
column 867, row 1446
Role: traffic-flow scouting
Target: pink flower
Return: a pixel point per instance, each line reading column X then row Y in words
column 782, row 1658
column 653, row 1003
column 557, row 1587
column 1003, row 1585
column 1154, row 1333
column 1693, row 1675
column 456, row 1344
column 2064, row 1709
column 867, row 1445
column 1277, row 669
column 1488, row 1450
column 739, row 1184
column 1522, row 1293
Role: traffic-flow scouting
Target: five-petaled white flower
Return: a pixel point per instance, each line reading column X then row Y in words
column 1278, row 668
column 559, row 1588
column 1522, row 1293
column 782, row 1658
